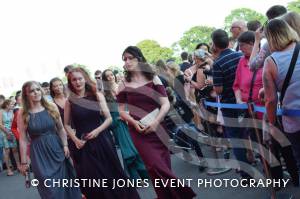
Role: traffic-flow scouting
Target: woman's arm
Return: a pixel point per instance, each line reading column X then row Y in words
column 269, row 76
column 106, row 114
column 67, row 121
column 165, row 106
column 60, row 129
column 236, row 85
column 67, row 124
column 23, row 141
column 200, row 83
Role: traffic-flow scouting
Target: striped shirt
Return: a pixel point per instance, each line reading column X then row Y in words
column 224, row 70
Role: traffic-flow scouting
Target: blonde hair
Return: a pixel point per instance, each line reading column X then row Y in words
column 26, row 105
column 293, row 19
column 175, row 71
column 279, row 34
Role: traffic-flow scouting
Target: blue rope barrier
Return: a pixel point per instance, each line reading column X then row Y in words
column 259, row 109
column 222, row 105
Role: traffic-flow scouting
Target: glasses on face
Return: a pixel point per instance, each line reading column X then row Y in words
column 97, row 77
column 128, row 58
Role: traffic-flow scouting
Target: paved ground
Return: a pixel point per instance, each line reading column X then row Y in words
column 14, row 187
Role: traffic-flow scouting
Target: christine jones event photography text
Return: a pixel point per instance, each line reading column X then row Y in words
column 144, row 99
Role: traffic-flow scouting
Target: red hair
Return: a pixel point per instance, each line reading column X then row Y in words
column 90, row 85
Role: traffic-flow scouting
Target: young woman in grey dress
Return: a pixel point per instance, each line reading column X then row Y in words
column 49, row 153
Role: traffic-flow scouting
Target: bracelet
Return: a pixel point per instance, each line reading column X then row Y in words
column 22, row 163
column 65, row 145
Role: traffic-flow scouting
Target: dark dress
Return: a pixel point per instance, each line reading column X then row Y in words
column 133, row 163
column 98, row 158
column 71, row 144
column 151, row 147
column 47, row 157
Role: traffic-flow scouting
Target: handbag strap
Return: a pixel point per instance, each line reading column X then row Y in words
column 252, row 85
column 290, row 71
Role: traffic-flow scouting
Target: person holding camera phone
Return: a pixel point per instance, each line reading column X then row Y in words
column 196, row 75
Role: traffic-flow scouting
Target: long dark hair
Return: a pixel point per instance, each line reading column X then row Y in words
column 107, row 86
column 51, row 85
column 146, row 69
column 90, row 85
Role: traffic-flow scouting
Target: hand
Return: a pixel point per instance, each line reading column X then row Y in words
column 138, row 126
column 208, row 82
column 93, row 134
column 23, row 169
column 79, row 143
column 239, row 101
column 152, row 127
column 258, row 34
column 66, row 151
column 261, row 94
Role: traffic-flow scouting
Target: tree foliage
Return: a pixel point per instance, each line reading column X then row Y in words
column 294, row 6
column 153, row 51
column 192, row 37
column 245, row 14
column 116, row 69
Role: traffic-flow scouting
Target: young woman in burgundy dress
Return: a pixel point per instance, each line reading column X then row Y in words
column 142, row 92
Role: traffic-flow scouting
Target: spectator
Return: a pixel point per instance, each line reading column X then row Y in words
column 161, row 70
column 282, row 41
column 185, row 62
column 253, row 25
column 46, row 89
column 259, row 54
column 98, row 78
column 236, row 29
column 224, row 69
column 275, row 11
column 67, row 69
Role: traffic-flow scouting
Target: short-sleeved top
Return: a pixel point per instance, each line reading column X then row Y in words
column 243, row 80
column 224, row 69
column 142, row 100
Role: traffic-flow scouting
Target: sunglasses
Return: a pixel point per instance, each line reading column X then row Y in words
column 97, row 77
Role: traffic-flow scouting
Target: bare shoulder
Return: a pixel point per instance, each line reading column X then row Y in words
column 121, row 86
column 100, row 96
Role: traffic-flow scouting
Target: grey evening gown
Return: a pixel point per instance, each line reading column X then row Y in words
column 47, row 157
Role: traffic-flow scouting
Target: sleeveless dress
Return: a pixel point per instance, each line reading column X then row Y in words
column 70, row 142
column 98, row 158
column 47, row 157
column 7, row 118
column 133, row 163
column 153, row 151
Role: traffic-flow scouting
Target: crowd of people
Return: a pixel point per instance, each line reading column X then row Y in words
column 68, row 131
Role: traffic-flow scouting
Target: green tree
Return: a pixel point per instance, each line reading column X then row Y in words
column 192, row 37
column 294, row 6
column 116, row 69
column 153, row 51
column 245, row 14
